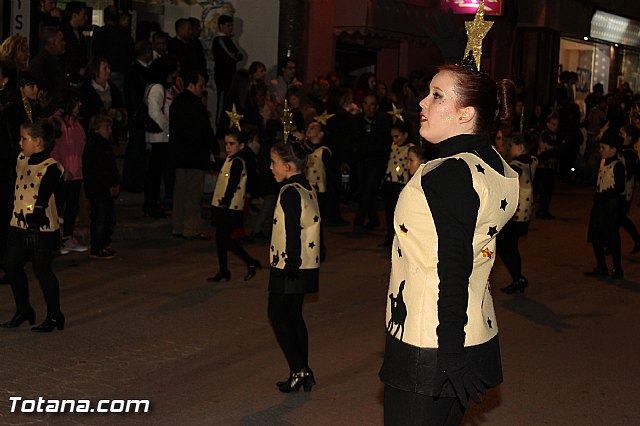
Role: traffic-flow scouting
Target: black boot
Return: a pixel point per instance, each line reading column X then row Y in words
column 303, row 378
column 49, row 324
column 518, row 285
column 19, row 318
column 251, row 269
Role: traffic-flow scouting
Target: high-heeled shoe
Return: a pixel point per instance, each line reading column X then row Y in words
column 303, row 378
column 518, row 285
column 251, row 269
column 49, row 324
column 19, row 318
column 222, row 275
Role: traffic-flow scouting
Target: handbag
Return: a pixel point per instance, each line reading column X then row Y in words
column 141, row 116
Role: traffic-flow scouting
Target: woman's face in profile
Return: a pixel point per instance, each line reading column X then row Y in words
column 440, row 112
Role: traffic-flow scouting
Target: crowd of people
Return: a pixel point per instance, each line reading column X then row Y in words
column 293, row 154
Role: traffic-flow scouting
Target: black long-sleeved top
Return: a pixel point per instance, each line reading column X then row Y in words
column 99, row 168
column 617, row 190
column 225, row 55
column 49, row 182
column 454, row 206
column 235, row 173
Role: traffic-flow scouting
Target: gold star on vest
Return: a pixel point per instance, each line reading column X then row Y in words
column 322, row 119
column 396, row 113
column 476, row 31
column 286, row 122
column 235, row 118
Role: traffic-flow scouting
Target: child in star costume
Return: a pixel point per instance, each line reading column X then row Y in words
column 319, row 165
column 420, row 154
column 608, row 206
column 442, row 345
column 630, row 135
column 507, row 244
column 34, row 232
column 228, row 207
column 397, row 174
column 295, row 261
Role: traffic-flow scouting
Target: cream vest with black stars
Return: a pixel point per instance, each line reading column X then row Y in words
column 525, row 199
column 28, row 182
column 414, row 261
column 398, row 165
column 237, row 201
column 309, row 234
column 316, row 172
column 606, row 177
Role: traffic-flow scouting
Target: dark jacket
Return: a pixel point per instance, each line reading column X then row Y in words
column 92, row 103
column 49, row 72
column 116, row 45
column 225, row 55
column 99, row 167
column 135, row 84
column 185, row 52
column 191, row 138
column 75, row 52
column 369, row 139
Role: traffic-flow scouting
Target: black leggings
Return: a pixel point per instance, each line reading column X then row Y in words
column 403, row 408
column 14, row 262
column 226, row 222
column 285, row 314
column 507, row 248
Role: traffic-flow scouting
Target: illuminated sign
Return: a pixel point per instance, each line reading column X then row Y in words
column 615, row 29
column 491, row 7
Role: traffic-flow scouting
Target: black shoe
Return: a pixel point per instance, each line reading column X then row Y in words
column 101, row 254
column 618, row 273
column 597, row 272
column 49, row 324
column 222, row 275
column 251, row 269
column 303, row 378
column 518, row 285
column 19, row 318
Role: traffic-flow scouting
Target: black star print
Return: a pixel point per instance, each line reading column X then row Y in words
column 275, row 220
column 311, row 196
column 400, row 178
column 316, row 219
column 404, row 228
column 504, row 204
column 399, row 252
column 317, row 260
column 312, row 245
column 493, row 230
column 489, row 322
column 480, row 169
column 272, row 248
column 283, row 255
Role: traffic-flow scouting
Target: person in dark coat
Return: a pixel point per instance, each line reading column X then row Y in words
column 75, row 54
column 191, row 143
column 47, row 66
column 295, row 261
column 182, row 48
column 225, row 56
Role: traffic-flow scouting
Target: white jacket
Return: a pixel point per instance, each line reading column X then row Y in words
column 157, row 95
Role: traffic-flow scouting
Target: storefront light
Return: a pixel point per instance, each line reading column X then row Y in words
column 615, row 29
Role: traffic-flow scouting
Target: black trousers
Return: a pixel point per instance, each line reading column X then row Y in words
column 285, row 314
column 155, row 173
column 14, row 261
column 402, row 408
column 67, row 204
column 135, row 160
column 226, row 222
column 369, row 173
column 7, row 183
column 546, row 184
column 103, row 220
column 507, row 248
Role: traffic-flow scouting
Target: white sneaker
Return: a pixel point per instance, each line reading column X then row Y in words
column 63, row 249
column 71, row 244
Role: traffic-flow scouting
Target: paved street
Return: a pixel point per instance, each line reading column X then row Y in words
column 147, row 325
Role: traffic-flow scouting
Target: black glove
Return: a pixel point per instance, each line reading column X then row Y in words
column 37, row 218
column 457, row 369
column 291, row 272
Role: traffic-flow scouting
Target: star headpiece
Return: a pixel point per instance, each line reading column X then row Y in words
column 287, row 123
column 234, row 118
column 323, row 118
column 476, row 31
column 396, row 113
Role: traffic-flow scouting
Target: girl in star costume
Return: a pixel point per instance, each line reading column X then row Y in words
column 34, row 232
column 608, row 206
column 295, row 261
column 446, row 221
column 228, row 206
column 525, row 165
column 397, row 174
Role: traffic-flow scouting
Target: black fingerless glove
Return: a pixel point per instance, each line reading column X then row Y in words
column 456, row 368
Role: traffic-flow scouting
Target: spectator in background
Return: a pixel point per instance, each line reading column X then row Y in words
column 47, row 66
column 75, row 54
column 191, row 144
column 365, row 85
column 135, row 84
column 182, row 48
column 99, row 95
column 160, row 43
column 116, row 45
column 15, row 52
column 201, row 61
column 43, row 18
column 286, row 79
column 257, row 71
column 225, row 57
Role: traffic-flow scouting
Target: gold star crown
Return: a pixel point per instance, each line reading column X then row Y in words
column 234, row 118
column 287, row 123
column 476, row 31
column 396, row 113
column 323, row 118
